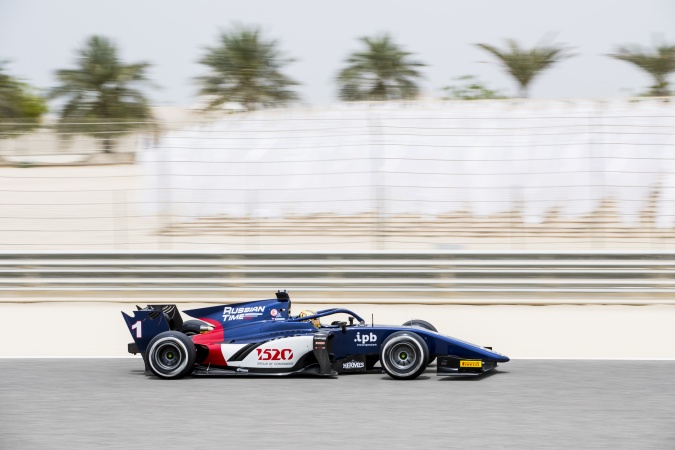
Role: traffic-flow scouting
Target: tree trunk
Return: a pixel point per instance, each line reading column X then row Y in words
column 108, row 143
column 523, row 92
column 661, row 86
column 379, row 92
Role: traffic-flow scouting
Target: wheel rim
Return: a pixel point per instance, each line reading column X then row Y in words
column 168, row 356
column 403, row 356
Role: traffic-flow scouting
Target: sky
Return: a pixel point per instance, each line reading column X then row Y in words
column 38, row 37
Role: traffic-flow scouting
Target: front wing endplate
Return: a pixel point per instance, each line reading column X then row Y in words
column 454, row 365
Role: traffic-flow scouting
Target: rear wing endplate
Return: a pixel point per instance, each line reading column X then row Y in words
column 145, row 325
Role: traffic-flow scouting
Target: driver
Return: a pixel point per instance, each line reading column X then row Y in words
column 316, row 322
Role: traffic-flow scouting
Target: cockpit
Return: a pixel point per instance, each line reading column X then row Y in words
column 353, row 319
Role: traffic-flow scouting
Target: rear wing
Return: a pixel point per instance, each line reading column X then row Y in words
column 148, row 322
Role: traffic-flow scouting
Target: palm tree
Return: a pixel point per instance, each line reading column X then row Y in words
column 21, row 108
column 659, row 64
column 245, row 69
column 382, row 72
column 101, row 95
column 524, row 65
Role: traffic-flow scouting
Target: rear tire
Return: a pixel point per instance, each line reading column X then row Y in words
column 404, row 355
column 171, row 355
column 422, row 324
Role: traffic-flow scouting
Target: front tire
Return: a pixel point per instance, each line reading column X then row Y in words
column 171, row 355
column 404, row 355
column 422, row 324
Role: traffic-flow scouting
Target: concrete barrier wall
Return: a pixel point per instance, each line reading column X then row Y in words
column 442, row 278
column 37, row 319
column 563, row 331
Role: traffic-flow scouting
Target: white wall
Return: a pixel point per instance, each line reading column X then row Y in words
column 422, row 158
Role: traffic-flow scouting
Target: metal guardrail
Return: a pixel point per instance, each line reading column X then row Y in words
column 382, row 277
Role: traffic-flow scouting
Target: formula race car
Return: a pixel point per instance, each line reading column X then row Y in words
column 263, row 338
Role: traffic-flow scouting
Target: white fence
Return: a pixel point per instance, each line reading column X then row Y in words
column 440, row 175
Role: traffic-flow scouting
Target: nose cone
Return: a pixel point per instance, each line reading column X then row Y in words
column 497, row 356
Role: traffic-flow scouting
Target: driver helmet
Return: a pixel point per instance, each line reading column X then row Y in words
column 316, row 322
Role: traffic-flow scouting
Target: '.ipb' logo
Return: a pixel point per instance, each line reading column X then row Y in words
column 366, row 340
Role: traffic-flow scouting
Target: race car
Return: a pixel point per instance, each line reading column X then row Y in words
column 262, row 338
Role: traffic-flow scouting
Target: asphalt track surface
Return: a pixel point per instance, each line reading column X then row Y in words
column 525, row 404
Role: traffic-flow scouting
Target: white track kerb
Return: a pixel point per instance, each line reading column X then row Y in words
column 95, row 329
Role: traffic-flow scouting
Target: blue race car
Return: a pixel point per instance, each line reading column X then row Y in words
column 263, row 338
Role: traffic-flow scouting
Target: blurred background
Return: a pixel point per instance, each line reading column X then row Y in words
column 453, row 154
column 267, row 127
column 505, row 170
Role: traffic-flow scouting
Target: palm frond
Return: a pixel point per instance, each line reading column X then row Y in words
column 525, row 65
column 245, row 69
column 102, row 89
column 659, row 63
column 383, row 71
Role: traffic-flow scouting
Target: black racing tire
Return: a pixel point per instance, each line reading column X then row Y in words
column 191, row 327
column 171, row 355
column 404, row 355
column 422, row 324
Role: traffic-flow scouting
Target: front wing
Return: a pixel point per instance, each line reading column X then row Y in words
column 454, row 365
